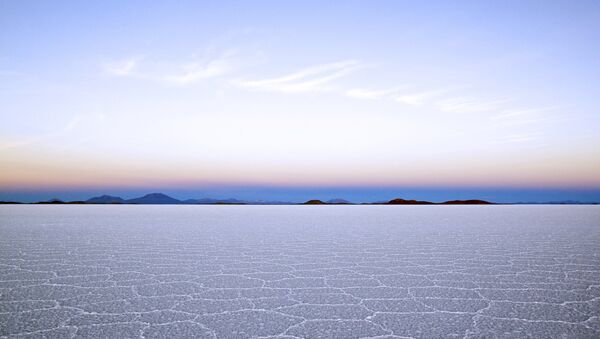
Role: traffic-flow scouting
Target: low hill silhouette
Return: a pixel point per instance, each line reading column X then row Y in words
column 467, row 202
column 338, row 201
column 209, row 201
column 314, row 202
column 154, row 199
column 400, row 201
column 105, row 199
column 51, row 202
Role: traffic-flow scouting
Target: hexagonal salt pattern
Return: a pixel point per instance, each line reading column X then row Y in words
column 300, row 271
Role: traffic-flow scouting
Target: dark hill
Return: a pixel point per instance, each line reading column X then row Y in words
column 467, row 202
column 408, row 202
column 105, row 199
column 338, row 202
column 314, row 202
column 52, row 201
column 154, row 198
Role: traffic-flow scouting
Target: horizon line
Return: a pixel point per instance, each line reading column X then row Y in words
column 235, row 201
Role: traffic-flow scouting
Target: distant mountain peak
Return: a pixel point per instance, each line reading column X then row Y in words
column 156, row 195
column 105, row 199
column 154, row 198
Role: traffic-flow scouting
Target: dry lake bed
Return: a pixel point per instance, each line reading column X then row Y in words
column 299, row 271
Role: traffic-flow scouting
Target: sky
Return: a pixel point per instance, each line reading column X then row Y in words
column 290, row 100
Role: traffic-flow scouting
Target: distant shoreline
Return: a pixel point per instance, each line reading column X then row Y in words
column 163, row 199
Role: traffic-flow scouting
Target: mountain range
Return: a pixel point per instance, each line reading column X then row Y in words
column 400, row 201
column 163, row 199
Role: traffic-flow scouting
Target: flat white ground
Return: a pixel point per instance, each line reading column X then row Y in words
column 300, row 271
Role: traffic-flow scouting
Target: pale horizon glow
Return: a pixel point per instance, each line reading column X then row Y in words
column 353, row 94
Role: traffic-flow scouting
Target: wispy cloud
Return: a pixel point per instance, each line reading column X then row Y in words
column 73, row 124
column 196, row 71
column 121, row 68
column 517, row 138
column 519, row 113
column 320, row 78
column 470, row 105
column 312, row 79
column 528, row 116
column 174, row 73
column 420, row 98
column 361, row 93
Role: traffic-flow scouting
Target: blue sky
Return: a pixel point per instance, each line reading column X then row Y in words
column 297, row 99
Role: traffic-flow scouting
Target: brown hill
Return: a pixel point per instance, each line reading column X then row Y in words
column 467, row 202
column 314, row 202
column 407, row 202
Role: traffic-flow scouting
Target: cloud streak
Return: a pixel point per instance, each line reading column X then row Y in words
column 312, row 79
column 519, row 113
column 420, row 98
column 121, row 68
column 175, row 74
column 318, row 79
column 198, row 71
column 361, row 93
column 470, row 105
column 70, row 126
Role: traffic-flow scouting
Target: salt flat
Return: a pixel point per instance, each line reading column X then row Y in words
column 300, row 271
